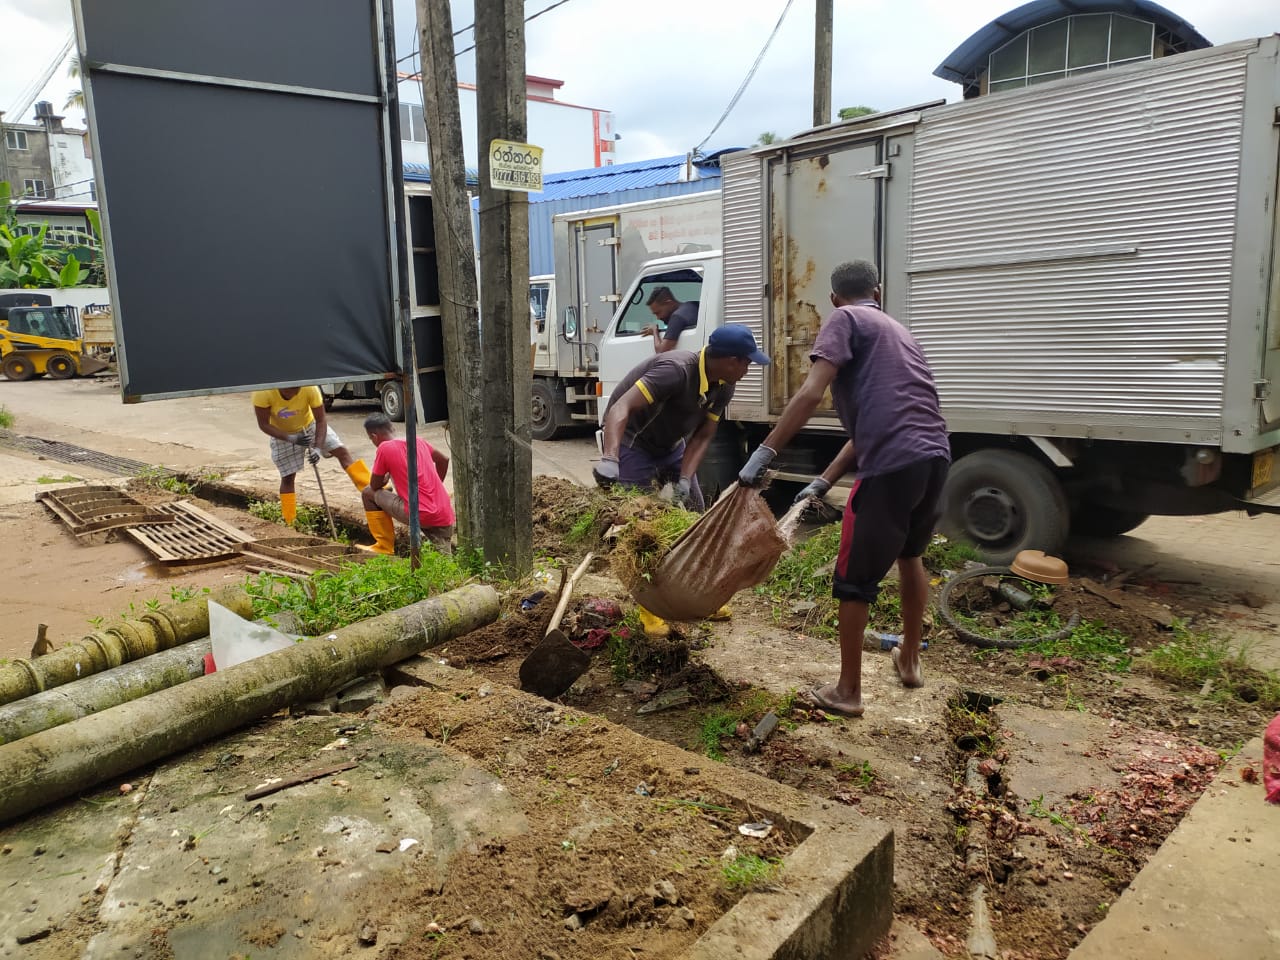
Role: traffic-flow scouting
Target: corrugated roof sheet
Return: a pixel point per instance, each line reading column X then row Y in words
column 421, row 172
column 970, row 58
column 624, row 176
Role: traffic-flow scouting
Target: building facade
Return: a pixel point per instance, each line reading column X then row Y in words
column 44, row 160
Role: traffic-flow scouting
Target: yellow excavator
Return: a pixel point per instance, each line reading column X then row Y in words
column 38, row 338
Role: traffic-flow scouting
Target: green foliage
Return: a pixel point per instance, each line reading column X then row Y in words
column 326, row 601
column 716, row 725
column 618, row 647
column 6, row 418
column 311, row 518
column 766, row 138
column 748, row 872
column 28, row 261
column 162, row 479
column 66, row 478
column 582, row 527
column 1196, row 659
column 849, row 113
column 945, row 554
column 862, row 773
column 803, row 575
column 1092, row 641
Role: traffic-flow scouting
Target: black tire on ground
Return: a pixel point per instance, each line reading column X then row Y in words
column 328, row 403
column 60, row 366
column 1003, row 502
column 545, row 416
column 393, row 401
column 17, row 367
column 1095, row 520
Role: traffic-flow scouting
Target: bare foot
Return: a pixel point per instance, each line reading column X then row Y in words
column 912, row 677
column 828, row 699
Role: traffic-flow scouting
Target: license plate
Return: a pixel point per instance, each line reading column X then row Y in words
column 1263, row 468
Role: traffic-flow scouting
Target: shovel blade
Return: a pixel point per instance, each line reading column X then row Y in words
column 552, row 666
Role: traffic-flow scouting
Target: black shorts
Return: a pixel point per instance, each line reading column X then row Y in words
column 888, row 516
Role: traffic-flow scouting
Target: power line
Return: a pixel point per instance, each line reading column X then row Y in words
column 746, row 80
column 471, row 26
column 33, row 89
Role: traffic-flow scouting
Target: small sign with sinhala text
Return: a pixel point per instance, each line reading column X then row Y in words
column 515, row 166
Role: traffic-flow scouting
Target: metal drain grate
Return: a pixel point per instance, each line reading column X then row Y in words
column 193, row 537
column 92, row 509
column 70, row 453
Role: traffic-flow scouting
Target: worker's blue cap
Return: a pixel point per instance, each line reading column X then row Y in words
column 735, row 340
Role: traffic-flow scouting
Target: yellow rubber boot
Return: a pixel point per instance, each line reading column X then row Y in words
column 383, row 529
column 289, row 507
column 654, row 626
column 359, row 474
column 724, row 613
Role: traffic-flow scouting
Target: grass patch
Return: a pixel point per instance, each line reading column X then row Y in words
column 749, row 708
column 717, row 725
column 311, row 519
column 6, row 418
column 66, row 478
column 1194, row 660
column 326, row 601
column 748, row 872
column 803, row 575
column 1091, row 642
column 945, row 554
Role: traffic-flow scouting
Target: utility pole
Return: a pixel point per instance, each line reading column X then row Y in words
column 455, row 259
column 822, row 64
column 507, row 452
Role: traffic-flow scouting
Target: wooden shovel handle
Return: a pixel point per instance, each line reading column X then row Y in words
column 567, row 590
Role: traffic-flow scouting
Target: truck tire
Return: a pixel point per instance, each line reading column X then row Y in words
column 18, row 367
column 547, row 412
column 1095, row 520
column 725, row 456
column 1003, row 502
column 60, row 366
column 392, row 396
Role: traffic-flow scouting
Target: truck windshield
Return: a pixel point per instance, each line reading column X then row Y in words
column 685, row 286
column 56, row 323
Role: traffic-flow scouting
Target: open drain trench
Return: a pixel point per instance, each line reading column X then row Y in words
column 70, row 453
column 983, row 818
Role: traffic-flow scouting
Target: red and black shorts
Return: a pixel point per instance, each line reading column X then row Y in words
column 888, row 516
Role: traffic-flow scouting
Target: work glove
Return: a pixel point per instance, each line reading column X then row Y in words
column 606, row 472
column 817, row 488
column 300, row 440
column 680, row 495
column 752, row 474
column 312, row 457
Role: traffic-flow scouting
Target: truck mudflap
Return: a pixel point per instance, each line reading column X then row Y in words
column 1264, row 483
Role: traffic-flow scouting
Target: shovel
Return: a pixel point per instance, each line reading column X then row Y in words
column 552, row 666
column 315, row 465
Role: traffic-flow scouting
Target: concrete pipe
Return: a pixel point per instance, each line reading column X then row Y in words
column 110, row 688
column 117, row 644
column 53, row 764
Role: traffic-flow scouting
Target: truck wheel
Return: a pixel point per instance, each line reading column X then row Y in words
column 1095, row 520
column 60, row 366
column 17, row 367
column 393, row 401
column 725, row 456
column 544, row 418
column 1003, row 502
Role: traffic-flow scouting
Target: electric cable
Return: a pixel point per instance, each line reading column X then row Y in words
column 750, row 73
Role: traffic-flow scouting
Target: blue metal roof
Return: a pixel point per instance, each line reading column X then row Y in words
column 421, row 173
column 969, row 59
column 625, row 176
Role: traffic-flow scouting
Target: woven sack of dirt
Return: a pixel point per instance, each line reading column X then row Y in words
column 734, row 545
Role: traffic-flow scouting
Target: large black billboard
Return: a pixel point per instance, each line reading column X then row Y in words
column 243, row 151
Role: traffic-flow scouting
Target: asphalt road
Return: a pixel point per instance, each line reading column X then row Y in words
column 1227, row 558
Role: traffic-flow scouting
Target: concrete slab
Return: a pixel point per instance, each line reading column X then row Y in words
column 186, row 857
column 1210, row 891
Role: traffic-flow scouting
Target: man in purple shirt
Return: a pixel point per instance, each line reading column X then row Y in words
column 884, row 394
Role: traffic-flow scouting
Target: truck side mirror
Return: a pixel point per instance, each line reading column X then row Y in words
column 570, row 323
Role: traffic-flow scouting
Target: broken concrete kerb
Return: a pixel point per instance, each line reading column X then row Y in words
column 53, row 764
column 121, row 642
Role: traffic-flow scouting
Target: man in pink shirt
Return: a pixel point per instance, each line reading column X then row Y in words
column 383, row 506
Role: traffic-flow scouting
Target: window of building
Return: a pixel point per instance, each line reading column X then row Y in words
column 413, row 125
column 1063, row 48
column 34, row 188
column 15, row 139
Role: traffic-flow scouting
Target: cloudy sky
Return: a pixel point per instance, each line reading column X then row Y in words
column 668, row 68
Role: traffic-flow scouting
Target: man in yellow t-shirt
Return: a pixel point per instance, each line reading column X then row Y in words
column 293, row 417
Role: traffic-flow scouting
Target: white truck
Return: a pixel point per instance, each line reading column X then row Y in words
column 1090, row 266
column 596, row 252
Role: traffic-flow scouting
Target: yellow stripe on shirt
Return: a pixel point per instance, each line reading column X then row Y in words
column 644, row 390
